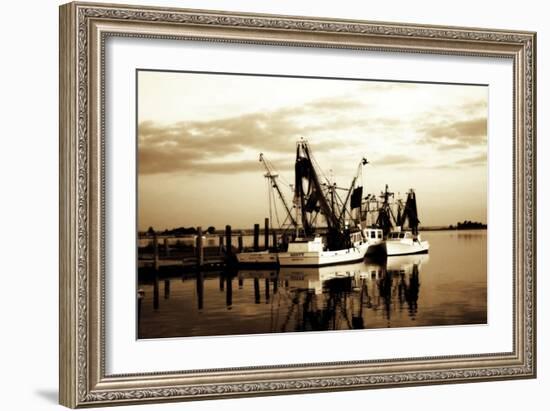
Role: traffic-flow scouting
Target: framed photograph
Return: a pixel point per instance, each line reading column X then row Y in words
column 260, row 204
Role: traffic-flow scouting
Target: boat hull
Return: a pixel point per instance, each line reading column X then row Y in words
column 406, row 248
column 323, row 258
column 258, row 258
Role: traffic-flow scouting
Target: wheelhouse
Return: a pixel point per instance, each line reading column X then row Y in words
column 399, row 235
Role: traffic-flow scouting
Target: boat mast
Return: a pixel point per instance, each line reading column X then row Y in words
column 385, row 213
column 410, row 212
column 354, row 194
column 316, row 190
column 301, row 171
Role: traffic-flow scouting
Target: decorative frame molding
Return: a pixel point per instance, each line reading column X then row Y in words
column 83, row 30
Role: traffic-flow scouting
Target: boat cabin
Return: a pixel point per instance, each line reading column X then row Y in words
column 400, row 235
column 373, row 233
column 306, row 245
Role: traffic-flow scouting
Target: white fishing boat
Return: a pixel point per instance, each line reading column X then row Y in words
column 341, row 239
column 399, row 241
column 313, row 252
column 405, row 242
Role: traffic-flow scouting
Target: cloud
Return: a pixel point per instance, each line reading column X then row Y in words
column 385, row 86
column 475, row 108
column 231, row 144
column 480, row 159
column 455, row 134
column 333, row 104
column 395, row 159
column 215, row 146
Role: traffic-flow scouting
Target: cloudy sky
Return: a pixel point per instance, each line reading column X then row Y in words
column 200, row 135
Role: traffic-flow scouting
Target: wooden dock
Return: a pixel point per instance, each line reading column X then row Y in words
column 160, row 255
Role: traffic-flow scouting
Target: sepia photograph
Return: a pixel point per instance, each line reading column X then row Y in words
column 275, row 204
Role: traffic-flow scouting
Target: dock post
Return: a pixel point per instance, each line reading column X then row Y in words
column 166, row 289
column 274, row 235
column 156, row 252
column 266, row 233
column 256, row 290
column 240, row 243
column 267, row 290
column 256, row 237
column 200, row 289
column 156, row 291
column 221, row 244
column 228, row 234
column 229, row 291
column 141, row 295
column 166, row 247
column 200, row 250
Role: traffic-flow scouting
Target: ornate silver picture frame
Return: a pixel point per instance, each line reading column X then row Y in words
column 84, row 30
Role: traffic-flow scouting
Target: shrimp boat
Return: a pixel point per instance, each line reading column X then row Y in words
column 398, row 240
column 341, row 239
column 404, row 243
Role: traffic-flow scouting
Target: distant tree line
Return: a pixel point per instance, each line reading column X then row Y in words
column 179, row 231
column 467, row 225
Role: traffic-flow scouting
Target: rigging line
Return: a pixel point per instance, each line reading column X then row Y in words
column 275, row 171
column 276, row 213
column 319, row 169
column 269, row 197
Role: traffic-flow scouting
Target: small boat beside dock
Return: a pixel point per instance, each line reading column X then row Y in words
column 404, row 243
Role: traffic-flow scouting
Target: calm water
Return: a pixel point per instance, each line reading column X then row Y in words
column 448, row 286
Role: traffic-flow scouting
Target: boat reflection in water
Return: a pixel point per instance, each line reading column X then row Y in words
column 347, row 296
column 371, row 294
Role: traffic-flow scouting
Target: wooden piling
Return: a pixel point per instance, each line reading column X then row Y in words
column 221, row 243
column 199, row 248
column 256, row 237
column 166, row 247
column 240, row 239
column 141, row 295
column 274, row 241
column 229, row 291
column 156, row 292
column 228, row 245
column 200, row 289
column 256, row 290
column 166, row 289
column 266, row 233
column 156, row 252
column 267, row 290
